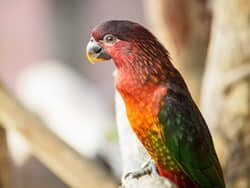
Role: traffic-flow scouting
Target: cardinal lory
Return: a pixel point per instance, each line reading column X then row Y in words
column 159, row 106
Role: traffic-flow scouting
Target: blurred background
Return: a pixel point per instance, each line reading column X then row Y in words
column 43, row 64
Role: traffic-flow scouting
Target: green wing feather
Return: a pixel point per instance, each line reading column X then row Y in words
column 187, row 136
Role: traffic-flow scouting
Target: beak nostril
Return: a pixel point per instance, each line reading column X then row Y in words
column 97, row 49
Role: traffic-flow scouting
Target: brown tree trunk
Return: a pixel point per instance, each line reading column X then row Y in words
column 5, row 168
column 226, row 89
column 183, row 27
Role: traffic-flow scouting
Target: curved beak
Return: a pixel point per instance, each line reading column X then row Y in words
column 96, row 53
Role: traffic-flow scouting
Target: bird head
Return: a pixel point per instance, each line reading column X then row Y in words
column 132, row 47
column 115, row 39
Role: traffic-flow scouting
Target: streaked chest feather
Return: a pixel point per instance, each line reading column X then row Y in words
column 143, row 103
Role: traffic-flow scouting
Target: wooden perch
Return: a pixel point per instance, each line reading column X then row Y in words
column 67, row 164
column 148, row 182
column 133, row 153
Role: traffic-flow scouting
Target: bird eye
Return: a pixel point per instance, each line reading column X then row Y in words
column 109, row 39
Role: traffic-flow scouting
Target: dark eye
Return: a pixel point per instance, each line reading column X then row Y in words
column 110, row 39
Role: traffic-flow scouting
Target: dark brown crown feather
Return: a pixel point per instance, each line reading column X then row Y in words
column 123, row 30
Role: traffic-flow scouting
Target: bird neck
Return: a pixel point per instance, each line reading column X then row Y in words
column 142, row 64
column 143, row 61
column 139, row 70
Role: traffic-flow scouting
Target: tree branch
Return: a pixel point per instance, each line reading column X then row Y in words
column 54, row 153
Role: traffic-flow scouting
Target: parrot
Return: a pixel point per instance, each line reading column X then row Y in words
column 159, row 106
